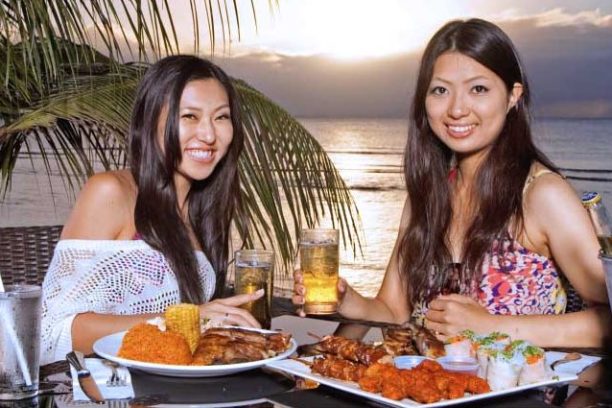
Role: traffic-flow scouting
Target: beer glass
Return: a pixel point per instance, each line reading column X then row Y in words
column 254, row 271
column 19, row 341
column 319, row 261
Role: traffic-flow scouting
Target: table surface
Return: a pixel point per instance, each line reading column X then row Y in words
column 261, row 388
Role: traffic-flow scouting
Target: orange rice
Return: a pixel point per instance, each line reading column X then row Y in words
column 145, row 342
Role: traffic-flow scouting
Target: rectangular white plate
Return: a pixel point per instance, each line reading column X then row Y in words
column 301, row 370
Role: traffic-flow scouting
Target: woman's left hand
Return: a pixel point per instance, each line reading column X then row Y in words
column 451, row 314
column 227, row 311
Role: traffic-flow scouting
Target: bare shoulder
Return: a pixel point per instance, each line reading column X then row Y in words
column 109, row 184
column 103, row 208
column 554, row 215
column 550, row 195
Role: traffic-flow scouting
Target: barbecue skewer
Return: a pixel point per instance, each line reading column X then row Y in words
column 353, row 350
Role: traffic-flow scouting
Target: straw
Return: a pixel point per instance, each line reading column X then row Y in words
column 5, row 317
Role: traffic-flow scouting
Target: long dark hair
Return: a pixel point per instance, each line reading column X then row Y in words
column 424, row 252
column 212, row 201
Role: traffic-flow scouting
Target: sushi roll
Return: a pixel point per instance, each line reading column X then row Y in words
column 482, row 355
column 503, row 370
column 516, row 348
column 460, row 345
column 485, row 346
column 500, row 340
column 534, row 366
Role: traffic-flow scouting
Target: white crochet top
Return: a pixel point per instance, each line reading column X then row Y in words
column 107, row 277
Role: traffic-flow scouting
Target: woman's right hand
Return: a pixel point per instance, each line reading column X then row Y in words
column 299, row 292
column 227, row 311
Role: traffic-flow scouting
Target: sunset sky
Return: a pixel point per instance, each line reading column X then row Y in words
column 358, row 58
column 353, row 29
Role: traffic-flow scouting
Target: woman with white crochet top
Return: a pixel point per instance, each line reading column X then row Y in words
column 139, row 240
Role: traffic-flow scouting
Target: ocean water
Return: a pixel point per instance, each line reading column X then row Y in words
column 368, row 154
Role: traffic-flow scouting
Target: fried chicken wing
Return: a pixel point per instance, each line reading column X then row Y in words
column 477, row 385
column 369, row 384
column 427, row 383
column 424, row 391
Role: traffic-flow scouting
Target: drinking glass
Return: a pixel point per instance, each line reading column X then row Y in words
column 19, row 341
column 319, row 262
column 254, row 271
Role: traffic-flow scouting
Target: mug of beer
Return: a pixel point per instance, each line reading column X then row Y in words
column 254, row 271
column 319, row 260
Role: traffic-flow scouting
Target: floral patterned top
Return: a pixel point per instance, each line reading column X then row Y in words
column 518, row 281
column 514, row 280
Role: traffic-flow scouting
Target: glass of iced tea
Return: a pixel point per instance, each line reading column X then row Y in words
column 254, row 271
column 319, row 261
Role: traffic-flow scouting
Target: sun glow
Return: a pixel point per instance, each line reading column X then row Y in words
column 351, row 29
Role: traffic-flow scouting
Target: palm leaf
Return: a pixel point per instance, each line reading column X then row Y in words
column 70, row 104
column 290, row 166
column 288, row 180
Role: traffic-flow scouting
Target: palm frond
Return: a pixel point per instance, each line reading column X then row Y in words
column 288, row 181
column 66, row 96
column 45, row 39
column 77, row 130
column 288, row 167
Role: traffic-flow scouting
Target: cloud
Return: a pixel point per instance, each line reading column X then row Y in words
column 322, row 87
column 126, row 45
column 567, row 58
column 559, row 17
column 567, row 61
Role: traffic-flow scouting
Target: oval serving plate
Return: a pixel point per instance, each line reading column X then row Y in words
column 108, row 347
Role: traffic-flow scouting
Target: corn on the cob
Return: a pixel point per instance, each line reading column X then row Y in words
column 184, row 318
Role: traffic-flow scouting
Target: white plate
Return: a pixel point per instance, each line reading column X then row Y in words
column 301, row 370
column 108, row 347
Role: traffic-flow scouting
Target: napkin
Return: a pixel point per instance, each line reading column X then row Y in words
column 101, row 373
column 66, row 401
column 571, row 367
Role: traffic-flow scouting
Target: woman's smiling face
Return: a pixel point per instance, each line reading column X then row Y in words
column 205, row 129
column 467, row 103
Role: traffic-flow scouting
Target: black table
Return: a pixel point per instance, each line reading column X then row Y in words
column 262, row 388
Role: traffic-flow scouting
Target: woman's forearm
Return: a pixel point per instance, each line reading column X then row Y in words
column 89, row 327
column 587, row 328
column 356, row 306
